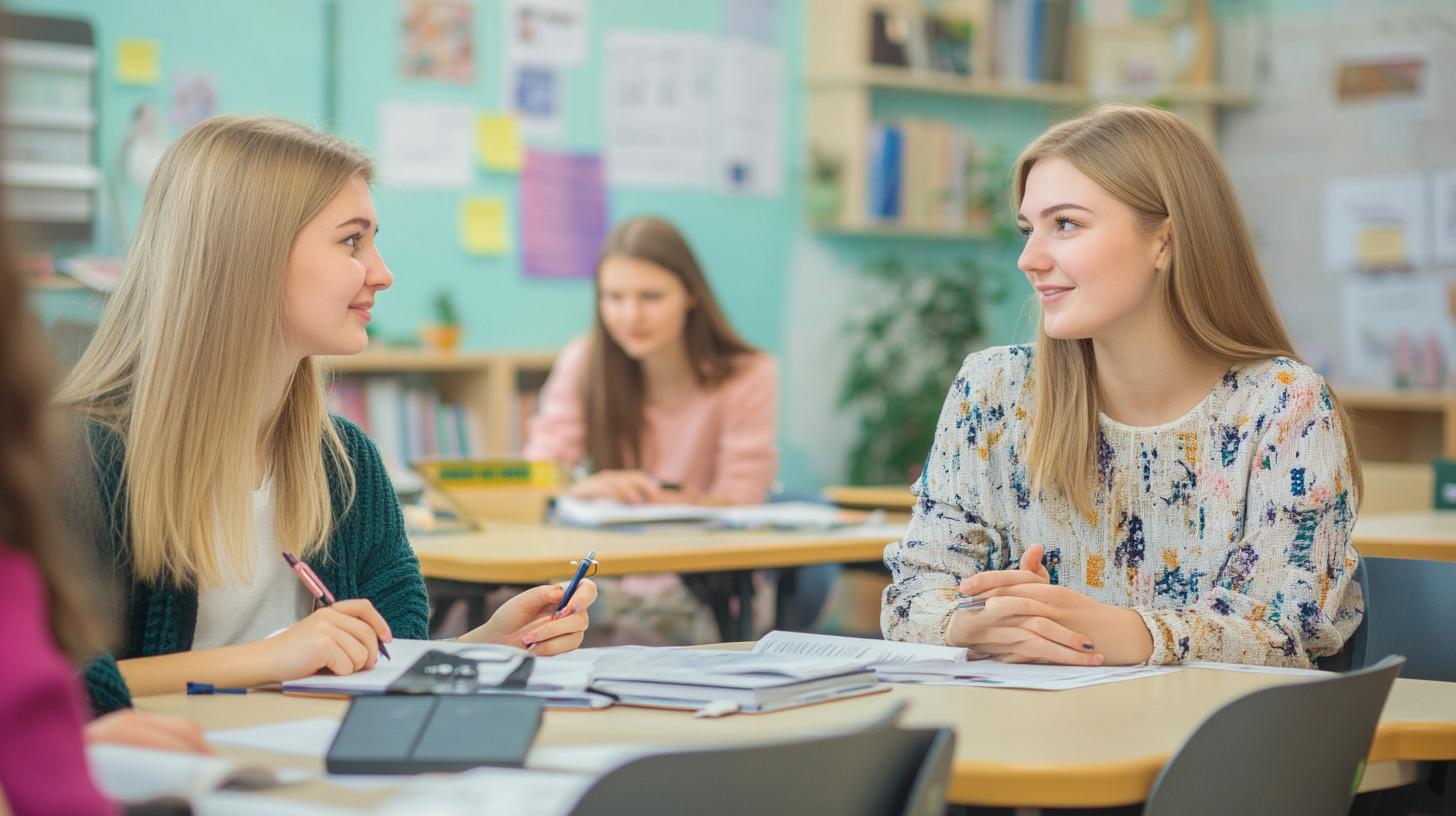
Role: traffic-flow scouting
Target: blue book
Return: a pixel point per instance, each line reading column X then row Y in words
column 1035, row 69
column 887, row 204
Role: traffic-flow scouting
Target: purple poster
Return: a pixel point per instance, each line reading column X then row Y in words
column 563, row 214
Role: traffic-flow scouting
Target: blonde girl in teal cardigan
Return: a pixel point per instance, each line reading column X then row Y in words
column 211, row 451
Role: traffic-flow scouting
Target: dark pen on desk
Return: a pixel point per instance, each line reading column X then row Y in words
column 588, row 562
column 316, row 588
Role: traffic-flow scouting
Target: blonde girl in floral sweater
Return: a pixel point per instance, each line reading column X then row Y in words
column 1158, row 478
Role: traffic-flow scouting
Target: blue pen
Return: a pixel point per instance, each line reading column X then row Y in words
column 208, row 688
column 581, row 568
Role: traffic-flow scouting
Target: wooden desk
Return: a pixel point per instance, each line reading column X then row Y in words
column 887, row 497
column 514, row 553
column 1098, row 746
column 1429, row 534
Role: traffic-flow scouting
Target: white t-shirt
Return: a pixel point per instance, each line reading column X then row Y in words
column 275, row 598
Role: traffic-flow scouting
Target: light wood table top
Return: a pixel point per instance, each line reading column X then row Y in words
column 515, row 553
column 1428, row 534
column 1096, row 746
column 875, row 497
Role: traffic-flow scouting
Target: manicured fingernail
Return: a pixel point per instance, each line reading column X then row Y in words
column 1087, row 646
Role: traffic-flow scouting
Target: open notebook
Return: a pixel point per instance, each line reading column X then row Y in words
column 896, row 662
column 561, row 680
column 129, row 774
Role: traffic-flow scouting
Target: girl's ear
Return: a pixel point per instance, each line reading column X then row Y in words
column 1163, row 258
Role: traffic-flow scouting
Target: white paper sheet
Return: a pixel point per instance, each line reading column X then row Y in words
column 310, row 737
column 546, row 32
column 751, row 151
column 129, row 774
column 423, row 145
column 243, row 804
column 1378, row 311
column 658, row 100
column 872, row 652
column 490, row 790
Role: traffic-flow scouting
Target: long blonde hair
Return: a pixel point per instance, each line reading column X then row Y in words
column 178, row 363
column 1158, row 165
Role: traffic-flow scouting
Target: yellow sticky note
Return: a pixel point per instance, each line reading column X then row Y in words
column 483, row 226
column 1380, row 246
column 498, row 140
column 137, row 62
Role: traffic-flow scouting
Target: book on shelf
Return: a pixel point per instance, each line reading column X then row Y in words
column 951, row 39
column 1034, row 40
column 406, row 419
column 923, row 173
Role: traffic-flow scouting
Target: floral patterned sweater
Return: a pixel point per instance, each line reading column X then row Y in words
column 1228, row 529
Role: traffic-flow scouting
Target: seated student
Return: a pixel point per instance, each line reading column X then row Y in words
column 1158, row 478
column 213, row 452
column 47, row 616
column 662, row 402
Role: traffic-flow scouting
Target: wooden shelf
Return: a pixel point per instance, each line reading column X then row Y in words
column 486, row 382
column 1402, row 426
column 905, row 79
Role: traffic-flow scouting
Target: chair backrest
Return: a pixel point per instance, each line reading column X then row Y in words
column 882, row 770
column 1410, row 605
column 1293, row 748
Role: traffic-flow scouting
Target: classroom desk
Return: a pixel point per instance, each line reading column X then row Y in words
column 878, row 497
column 512, row 553
column 1427, row 534
column 1097, row 746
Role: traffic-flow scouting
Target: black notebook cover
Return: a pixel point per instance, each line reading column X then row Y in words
column 408, row 734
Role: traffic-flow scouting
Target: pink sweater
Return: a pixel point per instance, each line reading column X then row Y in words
column 718, row 442
column 42, row 760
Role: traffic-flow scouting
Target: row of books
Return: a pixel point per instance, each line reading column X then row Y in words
column 1010, row 40
column 924, row 173
column 406, row 419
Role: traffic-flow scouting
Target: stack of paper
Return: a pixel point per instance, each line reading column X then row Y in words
column 744, row 681
column 778, row 515
column 128, row 774
column 895, row 662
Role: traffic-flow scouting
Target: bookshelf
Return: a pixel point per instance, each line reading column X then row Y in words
column 842, row 82
column 1402, row 426
column 497, row 388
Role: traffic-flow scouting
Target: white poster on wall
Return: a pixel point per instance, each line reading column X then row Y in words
column 751, row 150
column 1393, row 325
column 424, row 145
column 546, row 32
column 658, row 107
column 1375, row 222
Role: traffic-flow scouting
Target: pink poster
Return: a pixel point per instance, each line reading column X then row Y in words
column 563, row 214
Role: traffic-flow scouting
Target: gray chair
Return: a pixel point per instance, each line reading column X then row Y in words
column 881, row 770
column 1293, row 748
column 1409, row 607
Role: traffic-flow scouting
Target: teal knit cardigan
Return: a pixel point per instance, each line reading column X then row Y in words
column 368, row 556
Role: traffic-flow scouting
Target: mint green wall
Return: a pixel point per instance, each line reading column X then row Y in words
column 773, row 275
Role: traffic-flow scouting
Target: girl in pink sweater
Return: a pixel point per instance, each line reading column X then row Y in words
column 661, row 402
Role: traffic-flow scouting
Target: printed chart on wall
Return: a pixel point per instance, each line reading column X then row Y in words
column 543, row 38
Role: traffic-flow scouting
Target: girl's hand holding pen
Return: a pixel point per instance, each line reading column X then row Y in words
column 1016, row 629
column 530, row 620
column 342, row 637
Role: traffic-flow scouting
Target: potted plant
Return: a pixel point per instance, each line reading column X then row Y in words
column 824, row 194
column 444, row 333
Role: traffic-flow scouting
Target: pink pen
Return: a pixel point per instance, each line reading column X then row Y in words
column 316, row 587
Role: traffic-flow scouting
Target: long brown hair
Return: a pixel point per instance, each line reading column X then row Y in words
column 1158, row 165
column 613, row 390
column 28, row 517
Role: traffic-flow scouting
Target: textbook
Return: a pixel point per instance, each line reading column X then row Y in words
column 561, row 681
column 742, row 681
